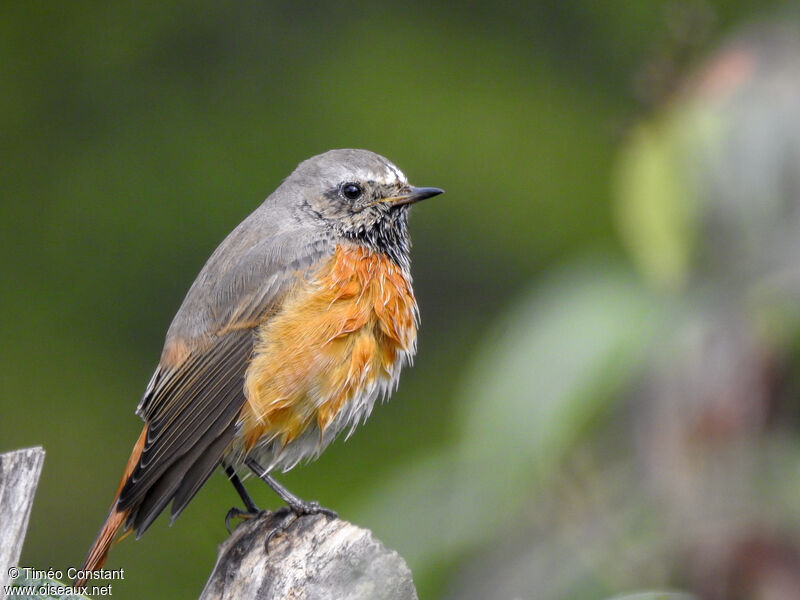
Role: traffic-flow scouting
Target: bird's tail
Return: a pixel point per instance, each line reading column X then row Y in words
column 115, row 520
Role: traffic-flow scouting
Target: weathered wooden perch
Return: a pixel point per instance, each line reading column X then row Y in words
column 315, row 558
column 19, row 476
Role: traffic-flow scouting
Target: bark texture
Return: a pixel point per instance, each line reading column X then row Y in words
column 315, row 557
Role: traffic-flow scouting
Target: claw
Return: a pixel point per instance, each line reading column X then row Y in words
column 238, row 513
column 287, row 520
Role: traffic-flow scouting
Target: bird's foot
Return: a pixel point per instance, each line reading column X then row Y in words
column 299, row 507
column 304, row 507
column 293, row 512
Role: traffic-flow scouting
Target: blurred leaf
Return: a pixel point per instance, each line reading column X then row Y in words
column 656, row 205
column 653, row 206
column 555, row 360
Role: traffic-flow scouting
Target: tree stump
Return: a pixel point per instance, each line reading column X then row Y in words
column 315, row 557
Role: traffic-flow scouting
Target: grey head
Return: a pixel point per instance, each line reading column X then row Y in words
column 355, row 194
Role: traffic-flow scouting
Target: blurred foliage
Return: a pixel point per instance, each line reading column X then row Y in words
column 706, row 186
column 137, row 135
column 688, row 477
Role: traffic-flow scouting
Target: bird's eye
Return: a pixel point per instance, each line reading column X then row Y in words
column 352, row 191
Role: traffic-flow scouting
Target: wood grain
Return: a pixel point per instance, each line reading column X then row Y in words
column 315, row 558
column 19, row 476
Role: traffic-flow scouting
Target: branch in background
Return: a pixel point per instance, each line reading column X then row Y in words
column 316, row 557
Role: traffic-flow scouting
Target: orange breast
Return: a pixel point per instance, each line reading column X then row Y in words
column 338, row 334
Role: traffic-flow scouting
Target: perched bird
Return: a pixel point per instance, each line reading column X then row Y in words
column 300, row 320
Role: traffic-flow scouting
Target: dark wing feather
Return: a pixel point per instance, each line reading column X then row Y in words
column 197, row 413
column 192, row 402
column 200, row 471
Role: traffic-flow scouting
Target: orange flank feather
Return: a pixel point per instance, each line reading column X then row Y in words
column 336, row 334
column 115, row 519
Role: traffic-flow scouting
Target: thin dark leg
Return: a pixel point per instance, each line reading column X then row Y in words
column 298, row 506
column 241, row 490
column 250, row 507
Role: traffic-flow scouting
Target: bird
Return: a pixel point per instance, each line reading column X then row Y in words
column 300, row 320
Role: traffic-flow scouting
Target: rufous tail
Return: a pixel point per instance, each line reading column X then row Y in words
column 115, row 520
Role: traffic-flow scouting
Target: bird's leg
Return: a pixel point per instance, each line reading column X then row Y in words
column 299, row 507
column 249, row 504
column 250, row 507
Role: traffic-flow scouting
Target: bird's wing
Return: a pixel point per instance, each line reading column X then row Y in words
column 196, row 393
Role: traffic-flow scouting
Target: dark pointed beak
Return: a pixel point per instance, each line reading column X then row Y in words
column 414, row 194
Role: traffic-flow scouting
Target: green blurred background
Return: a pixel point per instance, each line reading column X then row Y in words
column 135, row 136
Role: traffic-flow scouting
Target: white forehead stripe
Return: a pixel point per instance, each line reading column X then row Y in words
column 400, row 177
column 389, row 175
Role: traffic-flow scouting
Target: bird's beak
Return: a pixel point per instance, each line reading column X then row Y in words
column 413, row 194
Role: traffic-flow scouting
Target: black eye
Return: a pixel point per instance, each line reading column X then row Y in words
column 352, row 191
